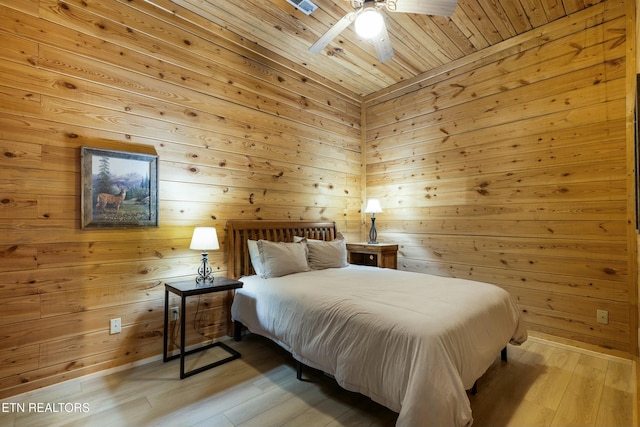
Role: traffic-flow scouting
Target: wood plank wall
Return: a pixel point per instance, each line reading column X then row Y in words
column 511, row 167
column 238, row 136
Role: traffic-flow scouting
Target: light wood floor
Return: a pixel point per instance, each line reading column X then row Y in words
column 542, row 384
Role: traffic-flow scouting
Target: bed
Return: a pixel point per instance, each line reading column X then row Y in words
column 412, row 342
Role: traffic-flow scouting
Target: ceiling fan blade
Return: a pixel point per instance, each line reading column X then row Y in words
column 425, row 7
column 382, row 44
column 332, row 33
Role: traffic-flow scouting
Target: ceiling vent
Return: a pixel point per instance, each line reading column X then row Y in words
column 304, row 5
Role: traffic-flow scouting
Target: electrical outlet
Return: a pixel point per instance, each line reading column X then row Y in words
column 175, row 313
column 116, row 326
column 603, row 317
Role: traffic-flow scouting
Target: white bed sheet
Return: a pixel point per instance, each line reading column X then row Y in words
column 411, row 342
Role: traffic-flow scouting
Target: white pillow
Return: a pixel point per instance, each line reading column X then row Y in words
column 326, row 254
column 254, row 254
column 280, row 258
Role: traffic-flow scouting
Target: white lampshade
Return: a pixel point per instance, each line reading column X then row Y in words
column 369, row 22
column 373, row 206
column 204, row 239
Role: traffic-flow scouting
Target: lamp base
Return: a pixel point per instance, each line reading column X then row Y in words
column 373, row 234
column 204, row 271
column 203, row 280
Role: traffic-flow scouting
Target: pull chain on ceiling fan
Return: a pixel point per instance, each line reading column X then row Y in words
column 369, row 23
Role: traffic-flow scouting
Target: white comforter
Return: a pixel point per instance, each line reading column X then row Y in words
column 412, row 342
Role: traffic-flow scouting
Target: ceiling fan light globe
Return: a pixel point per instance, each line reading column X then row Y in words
column 368, row 23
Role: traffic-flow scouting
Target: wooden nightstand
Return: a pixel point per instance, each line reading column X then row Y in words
column 384, row 255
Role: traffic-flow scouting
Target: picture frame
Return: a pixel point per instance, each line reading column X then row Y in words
column 119, row 189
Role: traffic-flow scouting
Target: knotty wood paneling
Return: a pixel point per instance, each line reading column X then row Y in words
column 239, row 135
column 513, row 169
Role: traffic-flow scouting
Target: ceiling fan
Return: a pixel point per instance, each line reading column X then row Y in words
column 369, row 23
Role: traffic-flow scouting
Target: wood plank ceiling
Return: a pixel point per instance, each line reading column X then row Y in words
column 421, row 42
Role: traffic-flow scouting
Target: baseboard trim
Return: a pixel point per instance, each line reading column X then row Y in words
column 591, row 348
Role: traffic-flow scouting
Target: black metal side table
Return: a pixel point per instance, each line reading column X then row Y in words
column 186, row 289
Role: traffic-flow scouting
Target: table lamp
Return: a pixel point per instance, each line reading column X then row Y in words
column 373, row 207
column 204, row 239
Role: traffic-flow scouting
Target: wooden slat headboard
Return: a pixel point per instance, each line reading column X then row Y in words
column 239, row 231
